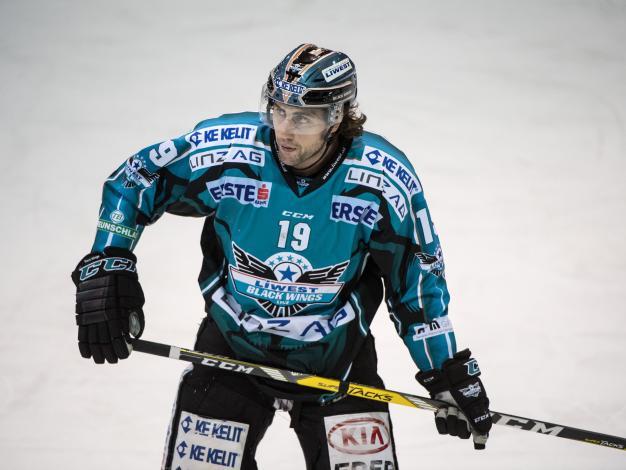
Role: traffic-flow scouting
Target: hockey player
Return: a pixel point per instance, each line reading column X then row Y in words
column 305, row 214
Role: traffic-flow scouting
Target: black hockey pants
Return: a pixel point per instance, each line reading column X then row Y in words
column 219, row 418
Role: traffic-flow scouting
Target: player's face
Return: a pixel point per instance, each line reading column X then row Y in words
column 300, row 134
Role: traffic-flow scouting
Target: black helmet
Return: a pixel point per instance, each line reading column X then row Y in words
column 311, row 76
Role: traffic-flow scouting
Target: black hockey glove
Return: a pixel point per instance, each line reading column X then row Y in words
column 108, row 304
column 457, row 383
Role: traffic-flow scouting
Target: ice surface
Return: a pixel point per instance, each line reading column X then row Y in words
column 513, row 115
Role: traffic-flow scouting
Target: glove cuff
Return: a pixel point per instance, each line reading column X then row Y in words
column 433, row 380
column 112, row 260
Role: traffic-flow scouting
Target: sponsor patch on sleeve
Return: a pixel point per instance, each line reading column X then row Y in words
column 117, row 229
column 396, row 170
column 224, row 135
column 437, row 326
column 211, row 158
column 379, row 181
column 208, row 444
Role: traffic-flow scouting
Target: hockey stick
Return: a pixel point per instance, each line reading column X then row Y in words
column 367, row 392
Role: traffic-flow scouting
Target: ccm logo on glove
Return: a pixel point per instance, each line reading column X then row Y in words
column 109, row 302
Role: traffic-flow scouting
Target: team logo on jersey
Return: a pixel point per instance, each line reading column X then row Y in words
column 285, row 283
column 137, row 174
column 244, row 190
column 432, row 264
column 303, row 182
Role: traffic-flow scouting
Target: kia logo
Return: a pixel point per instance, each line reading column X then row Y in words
column 360, row 436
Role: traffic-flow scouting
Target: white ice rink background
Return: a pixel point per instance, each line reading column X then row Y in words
column 512, row 114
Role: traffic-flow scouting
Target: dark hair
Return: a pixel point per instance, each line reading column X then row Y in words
column 352, row 124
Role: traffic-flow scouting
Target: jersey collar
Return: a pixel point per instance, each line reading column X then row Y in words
column 322, row 175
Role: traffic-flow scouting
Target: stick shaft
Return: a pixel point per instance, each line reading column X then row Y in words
column 369, row 393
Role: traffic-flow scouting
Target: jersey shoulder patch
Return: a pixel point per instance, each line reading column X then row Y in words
column 235, row 138
column 374, row 162
column 375, row 152
column 370, row 141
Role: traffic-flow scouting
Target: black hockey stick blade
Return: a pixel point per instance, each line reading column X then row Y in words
column 368, row 393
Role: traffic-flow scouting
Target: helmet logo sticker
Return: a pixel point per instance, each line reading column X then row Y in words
column 337, row 70
column 289, row 87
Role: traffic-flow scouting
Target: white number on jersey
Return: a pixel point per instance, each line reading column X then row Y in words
column 299, row 236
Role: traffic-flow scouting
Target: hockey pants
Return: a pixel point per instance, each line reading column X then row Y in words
column 219, row 418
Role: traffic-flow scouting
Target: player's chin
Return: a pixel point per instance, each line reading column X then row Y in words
column 290, row 157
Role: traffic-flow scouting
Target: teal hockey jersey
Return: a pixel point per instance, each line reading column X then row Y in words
column 284, row 255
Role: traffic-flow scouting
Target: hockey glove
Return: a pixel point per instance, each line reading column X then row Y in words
column 457, row 383
column 108, row 304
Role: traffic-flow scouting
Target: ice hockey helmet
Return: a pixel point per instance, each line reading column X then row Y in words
column 312, row 76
